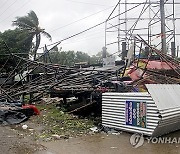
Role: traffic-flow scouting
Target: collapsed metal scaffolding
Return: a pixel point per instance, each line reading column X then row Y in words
column 36, row 77
column 49, row 76
column 154, row 21
column 71, row 81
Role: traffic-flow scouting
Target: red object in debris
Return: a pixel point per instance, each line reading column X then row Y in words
column 102, row 89
column 135, row 74
column 159, row 65
column 36, row 111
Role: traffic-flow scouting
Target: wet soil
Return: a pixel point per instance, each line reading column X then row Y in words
column 108, row 144
column 37, row 140
column 14, row 142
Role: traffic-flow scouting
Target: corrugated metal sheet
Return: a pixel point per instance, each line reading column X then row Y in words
column 166, row 96
column 167, row 99
column 169, row 122
column 163, row 109
column 113, row 111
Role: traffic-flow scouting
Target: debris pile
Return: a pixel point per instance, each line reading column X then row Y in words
column 36, row 79
column 15, row 113
column 162, row 69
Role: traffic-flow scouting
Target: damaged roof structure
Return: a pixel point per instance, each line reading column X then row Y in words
column 139, row 83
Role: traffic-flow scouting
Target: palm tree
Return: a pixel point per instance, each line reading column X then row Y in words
column 30, row 23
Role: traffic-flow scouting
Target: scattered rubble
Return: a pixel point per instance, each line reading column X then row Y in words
column 70, row 90
column 12, row 113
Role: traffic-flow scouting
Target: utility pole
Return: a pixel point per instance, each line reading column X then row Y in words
column 163, row 30
column 119, row 22
column 126, row 21
column 174, row 29
column 177, row 51
column 105, row 41
column 149, row 25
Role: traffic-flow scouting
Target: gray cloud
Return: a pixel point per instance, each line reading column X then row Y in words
column 58, row 18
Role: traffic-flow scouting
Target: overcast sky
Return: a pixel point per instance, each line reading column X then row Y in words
column 63, row 18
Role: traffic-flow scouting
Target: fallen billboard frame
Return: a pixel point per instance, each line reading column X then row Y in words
column 141, row 112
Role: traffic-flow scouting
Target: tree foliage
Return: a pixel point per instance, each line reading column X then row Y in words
column 70, row 58
column 18, row 41
column 30, row 23
column 14, row 41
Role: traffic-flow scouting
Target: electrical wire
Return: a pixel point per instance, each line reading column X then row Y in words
column 81, row 40
column 28, row 1
column 85, row 3
column 131, row 30
column 80, row 19
column 58, row 42
column 4, row 3
column 86, row 38
column 8, row 7
column 95, row 32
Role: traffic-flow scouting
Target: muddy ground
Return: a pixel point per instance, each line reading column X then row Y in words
column 14, row 141
column 107, row 144
column 73, row 137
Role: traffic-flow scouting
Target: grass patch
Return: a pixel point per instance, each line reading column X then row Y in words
column 57, row 122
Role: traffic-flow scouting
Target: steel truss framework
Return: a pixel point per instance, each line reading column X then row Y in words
column 156, row 24
column 72, row 80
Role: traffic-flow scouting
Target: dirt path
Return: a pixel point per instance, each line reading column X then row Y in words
column 108, row 144
column 13, row 142
column 37, row 138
